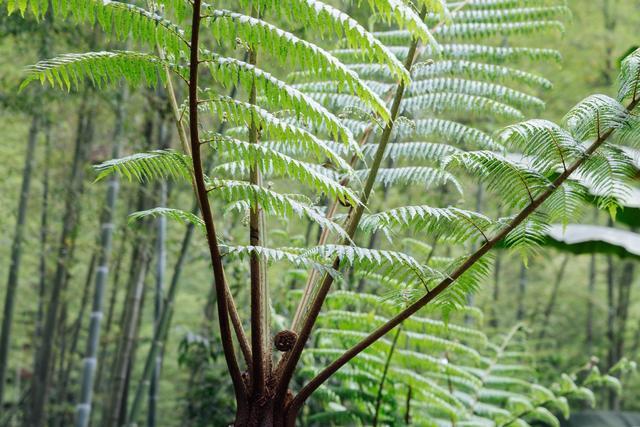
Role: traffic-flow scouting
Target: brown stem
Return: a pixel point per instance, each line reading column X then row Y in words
column 326, row 373
column 387, row 364
column 207, row 216
column 256, row 264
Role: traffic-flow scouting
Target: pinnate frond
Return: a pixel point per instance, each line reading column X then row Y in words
column 630, row 77
column 174, row 214
column 157, row 164
column 451, row 224
column 101, row 68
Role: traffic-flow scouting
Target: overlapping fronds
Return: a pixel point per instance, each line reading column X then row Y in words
column 278, row 94
column 516, row 183
column 274, row 162
column 123, row 20
column 273, row 203
column 287, row 47
column 430, row 372
column 451, row 224
column 328, row 20
column 426, row 177
column 476, row 70
column 245, row 114
column 594, row 116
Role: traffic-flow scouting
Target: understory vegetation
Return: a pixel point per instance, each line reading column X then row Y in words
column 304, row 212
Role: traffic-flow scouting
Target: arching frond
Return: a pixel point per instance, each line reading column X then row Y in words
column 549, row 146
column 475, row 70
column 630, row 76
column 326, row 20
column 101, row 68
column 281, row 205
column 454, row 133
column 469, row 87
column 451, row 224
column 388, row 263
column 509, row 14
column 452, row 102
column 286, row 46
column 148, row 166
column 473, row 31
column 174, row 214
column 516, row 183
column 278, row 94
column 244, row 114
column 413, row 150
column 271, row 160
column 422, row 175
column 270, row 255
column 124, row 20
column 594, row 116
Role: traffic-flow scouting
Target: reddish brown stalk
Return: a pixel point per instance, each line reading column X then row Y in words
column 207, row 216
column 326, row 373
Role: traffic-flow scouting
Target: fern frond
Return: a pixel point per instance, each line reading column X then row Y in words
column 245, row 114
column 607, row 174
column 272, row 161
column 326, row 20
column 503, row 14
column 549, row 146
column 273, row 203
column 277, row 94
column 285, row 46
column 473, row 70
column 469, row 87
column 630, row 76
column 451, row 102
column 454, row 133
column 594, row 116
column 174, row 214
column 388, row 263
column 413, row 151
column 271, row 255
column 451, row 224
column 473, row 31
column 102, row 68
column 157, row 164
column 125, row 20
column 515, row 182
column 423, row 175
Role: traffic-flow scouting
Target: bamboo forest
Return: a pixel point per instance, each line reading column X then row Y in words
column 270, row 213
